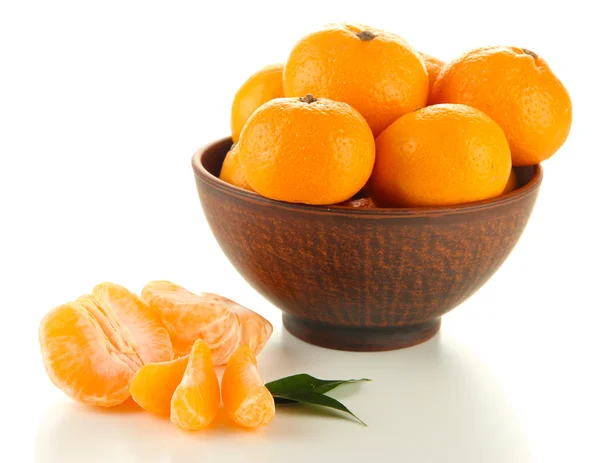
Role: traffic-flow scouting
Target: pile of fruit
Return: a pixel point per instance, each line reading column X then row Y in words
column 161, row 350
column 358, row 117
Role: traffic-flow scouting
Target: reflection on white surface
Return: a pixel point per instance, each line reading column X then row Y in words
column 433, row 402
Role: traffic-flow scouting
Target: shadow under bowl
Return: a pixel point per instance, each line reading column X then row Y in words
column 361, row 279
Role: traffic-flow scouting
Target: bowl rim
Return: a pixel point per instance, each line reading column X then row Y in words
column 205, row 176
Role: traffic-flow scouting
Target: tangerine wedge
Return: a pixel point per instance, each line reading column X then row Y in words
column 153, row 385
column 196, row 401
column 245, row 398
column 141, row 325
column 221, row 323
column 92, row 348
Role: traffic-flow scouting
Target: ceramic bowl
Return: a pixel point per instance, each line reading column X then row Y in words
column 361, row 279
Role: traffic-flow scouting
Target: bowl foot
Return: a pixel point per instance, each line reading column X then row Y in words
column 360, row 339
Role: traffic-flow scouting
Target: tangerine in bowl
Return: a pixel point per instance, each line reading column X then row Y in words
column 361, row 279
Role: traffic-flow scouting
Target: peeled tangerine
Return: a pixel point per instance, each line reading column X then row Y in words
column 223, row 324
column 196, row 401
column 245, row 398
column 93, row 346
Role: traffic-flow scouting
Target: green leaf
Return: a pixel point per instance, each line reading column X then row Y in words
column 304, row 382
column 316, row 398
column 307, row 389
column 282, row 401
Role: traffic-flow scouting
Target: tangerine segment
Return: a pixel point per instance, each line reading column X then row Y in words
column 83, row 355
column 138, row 324
column 245, row 398
column 196, row 401
column 255, row 330
column 188, row 317
column 153, row 385
column 220, row 322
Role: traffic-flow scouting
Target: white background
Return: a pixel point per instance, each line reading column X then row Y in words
column 101, row 107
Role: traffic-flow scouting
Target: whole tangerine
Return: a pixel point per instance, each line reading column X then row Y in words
column 231, row 170
column 434, row 67
column 516, row 88
column 262, row 86
column 376, row 72
column 307, row 150
column 440, row 155
column 512, row 184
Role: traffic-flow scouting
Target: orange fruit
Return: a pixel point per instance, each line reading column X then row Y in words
column 220, row 322
column 517, row 89
column 377, row 73
column 149, row 338
column 153, row 385
column 512, row 183
column 91, row 349
column 231, row 170
column 440, row 155
column 245, row 398
column 307, row 150
column 196, row 401
column 434, row 66
column 260, row 87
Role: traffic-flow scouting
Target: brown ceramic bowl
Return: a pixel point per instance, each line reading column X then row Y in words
column 364, row 280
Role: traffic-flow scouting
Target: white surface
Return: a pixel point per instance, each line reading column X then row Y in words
column 101, row 108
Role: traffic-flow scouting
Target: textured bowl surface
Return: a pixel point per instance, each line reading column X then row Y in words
column 365, row 280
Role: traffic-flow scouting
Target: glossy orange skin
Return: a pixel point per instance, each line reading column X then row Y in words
column 305, row 151
column 434, row 67
column 231, row 170
column 382, row 77
column 517, row 89
column 260, row 87
column 512, row 183
column 440, row 155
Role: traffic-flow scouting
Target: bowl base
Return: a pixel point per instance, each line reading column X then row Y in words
column 360, row 339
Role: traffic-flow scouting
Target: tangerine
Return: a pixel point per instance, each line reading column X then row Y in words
column 262, row 86
column 307, row 150
column 231, row 170
column 376, row 72
column 434, row 66
column 91, row 349
column 512, row 183
column 516, row 88
column 440, row 155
